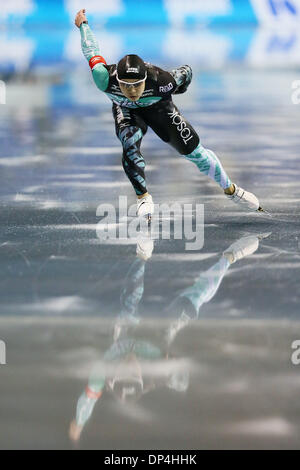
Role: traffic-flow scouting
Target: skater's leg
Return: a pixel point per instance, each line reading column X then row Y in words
column 133, row 161
column 209, row 164
column 167, row 122
column 130, row 130
column 134, row 166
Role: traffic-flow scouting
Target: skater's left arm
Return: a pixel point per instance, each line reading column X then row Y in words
column 85, row 406
column 86, row 403
column 183, row 77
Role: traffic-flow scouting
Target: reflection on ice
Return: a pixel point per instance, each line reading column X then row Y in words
column 134, row 366
column 266, row 426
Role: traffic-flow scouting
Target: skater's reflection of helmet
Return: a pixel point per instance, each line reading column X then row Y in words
column 127, row 384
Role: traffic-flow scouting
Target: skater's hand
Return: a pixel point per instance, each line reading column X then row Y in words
column 80, row 17
column 74, row 431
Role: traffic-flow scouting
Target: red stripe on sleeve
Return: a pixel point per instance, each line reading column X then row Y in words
column 97, row 59
column 91, row 394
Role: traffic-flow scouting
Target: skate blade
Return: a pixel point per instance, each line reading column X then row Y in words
column 261, row 236
column 260, row 209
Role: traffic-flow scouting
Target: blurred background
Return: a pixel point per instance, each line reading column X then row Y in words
column 40, row 44
column 245, row 55
column 60, row 286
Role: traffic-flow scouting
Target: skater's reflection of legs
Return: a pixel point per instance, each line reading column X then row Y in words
column 133, row 288
column 131, row 295
column 187, row 305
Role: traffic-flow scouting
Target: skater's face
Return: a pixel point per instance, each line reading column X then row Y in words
column 132, row 89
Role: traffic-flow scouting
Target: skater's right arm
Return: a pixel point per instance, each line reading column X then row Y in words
column 91, row 51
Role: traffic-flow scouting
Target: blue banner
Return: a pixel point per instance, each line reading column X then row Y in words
column 41, row 33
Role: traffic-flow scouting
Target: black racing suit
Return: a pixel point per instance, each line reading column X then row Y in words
column 154, row 108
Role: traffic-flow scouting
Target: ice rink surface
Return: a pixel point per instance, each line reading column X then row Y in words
column 61, row 285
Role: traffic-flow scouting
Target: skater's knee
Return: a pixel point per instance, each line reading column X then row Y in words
column 130, row 136
column 196, row 152
column 200, row 153
column 192, row 149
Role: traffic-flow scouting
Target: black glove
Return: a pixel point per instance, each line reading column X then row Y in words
column 182, row 75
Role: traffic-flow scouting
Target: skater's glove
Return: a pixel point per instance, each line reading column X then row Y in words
column 80, row 18
column 75, row 431
column 183, row 77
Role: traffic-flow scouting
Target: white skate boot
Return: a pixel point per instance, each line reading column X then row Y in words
column 245, row 246
column 144, row 248
column 246, row 199
column 145, row 207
